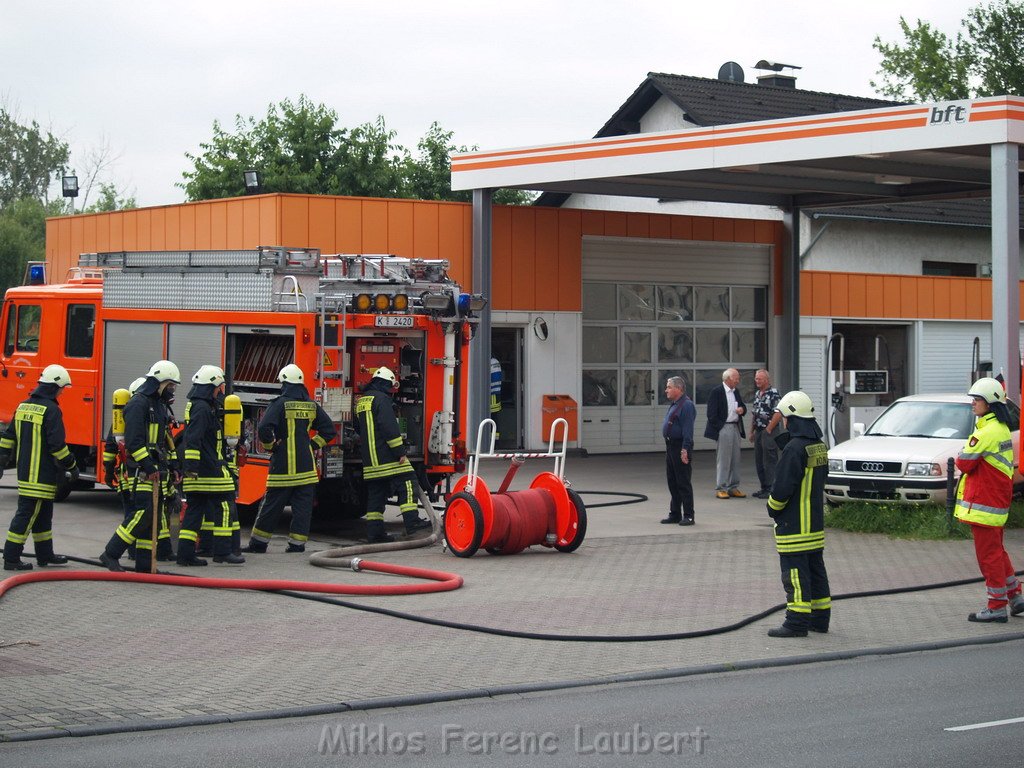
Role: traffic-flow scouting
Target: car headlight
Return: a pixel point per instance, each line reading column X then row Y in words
column 835, row 465
column 921, row 469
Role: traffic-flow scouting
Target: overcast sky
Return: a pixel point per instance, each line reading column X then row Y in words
column 148, row 78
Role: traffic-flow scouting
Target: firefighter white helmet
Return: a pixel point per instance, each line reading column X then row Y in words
column 387, row 374
column 291, row 374
column 55, row 374
column 208, row 374
column 134, row 386
column 797, row 404
column 165, row 370
column 989, row 390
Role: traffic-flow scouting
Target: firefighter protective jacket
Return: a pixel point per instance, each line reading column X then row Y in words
column 204, row 445
column 36, row 435
column 381, row 447
column 986, row 485
column 797, row 499
column 147, row 441
column 115, row 464
column 284, row 430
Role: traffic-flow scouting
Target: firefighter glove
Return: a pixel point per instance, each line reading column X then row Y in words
column 1, row 472
column 73, row 474
column 108, row 475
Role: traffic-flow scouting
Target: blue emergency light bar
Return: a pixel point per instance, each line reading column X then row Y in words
column 37, row 274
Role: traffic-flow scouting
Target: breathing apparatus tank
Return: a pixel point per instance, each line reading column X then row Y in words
column 232, row 419
column 120, row 400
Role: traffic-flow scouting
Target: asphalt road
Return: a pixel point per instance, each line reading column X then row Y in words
column 882, row 711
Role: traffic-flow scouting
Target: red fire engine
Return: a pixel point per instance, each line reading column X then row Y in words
column 252, row 312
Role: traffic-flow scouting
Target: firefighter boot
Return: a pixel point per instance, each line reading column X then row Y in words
column 413, row 522
column 206, row 544
column 164, row 551
column 187, row 554
column 45, row 555
column 256, row 546
column 112, row 552
column 785, row 631
column 375, row 532
column 12, row 557
column 293, row 547
column 17, row 565
column 236, row 542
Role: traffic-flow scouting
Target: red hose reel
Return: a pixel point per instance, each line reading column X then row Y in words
column 506, row 522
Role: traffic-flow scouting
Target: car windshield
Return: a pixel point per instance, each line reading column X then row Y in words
column 922, row 419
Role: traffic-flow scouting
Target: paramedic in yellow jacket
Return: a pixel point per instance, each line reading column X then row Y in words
column 386, row 469
column 284, row 432
column 983, row 498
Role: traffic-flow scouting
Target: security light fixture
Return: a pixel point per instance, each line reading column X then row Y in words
column 436, row 302
column 69, row 186
column 252, row 180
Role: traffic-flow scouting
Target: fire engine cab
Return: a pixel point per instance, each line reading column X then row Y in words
column 252, row 312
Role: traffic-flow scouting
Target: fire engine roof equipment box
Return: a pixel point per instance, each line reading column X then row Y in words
column 559, row 407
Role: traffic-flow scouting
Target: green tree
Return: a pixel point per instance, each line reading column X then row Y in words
column 300, row 147
column 983, row 59
column 31, row 159
column 22, row 237
column 109, row 200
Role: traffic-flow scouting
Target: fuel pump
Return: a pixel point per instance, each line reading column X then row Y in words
column 856, row 394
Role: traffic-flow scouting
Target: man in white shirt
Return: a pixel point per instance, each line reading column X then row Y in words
column 725, row 425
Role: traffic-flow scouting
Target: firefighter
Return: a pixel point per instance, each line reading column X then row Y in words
column 797, row 505
column 36, row 438
column 208, row 484
column 115, row 467
column 146, row 419
column 983, row 498
column 284, row 433
column 386, row 468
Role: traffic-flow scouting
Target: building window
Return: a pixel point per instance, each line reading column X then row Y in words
column 949, row 269
column 636, row 335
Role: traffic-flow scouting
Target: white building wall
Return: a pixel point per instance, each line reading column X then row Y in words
column 550, row 366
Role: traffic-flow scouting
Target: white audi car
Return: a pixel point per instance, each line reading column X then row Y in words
column 903, row 455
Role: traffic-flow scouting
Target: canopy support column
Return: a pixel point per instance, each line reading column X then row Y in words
column 1006, row 266
column 480, row 349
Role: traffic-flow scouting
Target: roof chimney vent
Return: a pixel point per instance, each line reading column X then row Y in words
column 775, row 76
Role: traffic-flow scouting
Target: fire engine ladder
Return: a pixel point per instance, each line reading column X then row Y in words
column 333, row 309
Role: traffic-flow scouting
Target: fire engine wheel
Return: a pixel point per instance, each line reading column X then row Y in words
column 463, row 524
column 581, row 523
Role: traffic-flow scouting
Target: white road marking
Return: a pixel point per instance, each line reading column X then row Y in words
column 991, row 724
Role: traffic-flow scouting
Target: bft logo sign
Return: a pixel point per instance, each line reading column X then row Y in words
column 952, row 113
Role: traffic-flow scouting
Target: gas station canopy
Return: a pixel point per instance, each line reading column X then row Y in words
column 948, row 150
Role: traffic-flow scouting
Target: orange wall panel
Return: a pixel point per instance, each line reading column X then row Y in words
column 172, row 229
column 524, row 259
column 501, row 258
column 724, row 230
column 616, row 224
column 116, row 242
column 839, row 295
column 570, row 260
column 187, row 228
column 593, row 223
column 682, row 227
column 270, row 223
column 703, row 228
column 765, row 231
column 452, row 241
column 638, row 225
column 294, row 220
column 251, row 223
column 908, row 297
column 400, row 228
column 891, row 303
column 375, row 226
column 661, row 226
column 957, row 298
column 348, row 225
column 425, row 218
column 218, row 225
column 322, row 234
column 546, row 271
column 743, row 231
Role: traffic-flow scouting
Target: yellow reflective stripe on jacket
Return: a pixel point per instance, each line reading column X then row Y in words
column 364, row 405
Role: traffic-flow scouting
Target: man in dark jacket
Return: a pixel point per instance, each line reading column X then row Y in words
column 36, row 438
column 725, row 426
column 797, row 505
column 677, row 429
column 284, row 433
column 148, row 446
column 386, row 469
